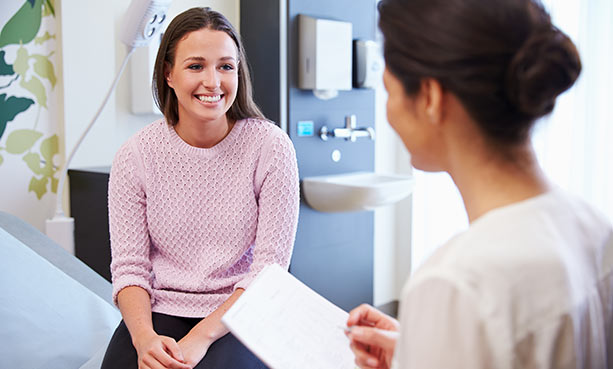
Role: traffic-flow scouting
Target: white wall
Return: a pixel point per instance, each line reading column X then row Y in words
column 88, row 67
column 392, row 259
column 393, row 224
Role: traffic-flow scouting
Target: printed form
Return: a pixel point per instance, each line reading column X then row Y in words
column 288, row 325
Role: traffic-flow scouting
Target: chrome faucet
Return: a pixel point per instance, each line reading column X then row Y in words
column 349, row 133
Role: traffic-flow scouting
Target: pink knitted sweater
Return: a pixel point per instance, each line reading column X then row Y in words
column 190, row 225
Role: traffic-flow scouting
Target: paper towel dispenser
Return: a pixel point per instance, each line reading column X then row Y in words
column 325, row 56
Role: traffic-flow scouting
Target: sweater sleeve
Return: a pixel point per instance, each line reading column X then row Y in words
column 278, row 205
column 130, row 244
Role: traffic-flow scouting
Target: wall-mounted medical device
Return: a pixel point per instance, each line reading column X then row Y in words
column 143, row 21
column 141, row 75
column 325, row 56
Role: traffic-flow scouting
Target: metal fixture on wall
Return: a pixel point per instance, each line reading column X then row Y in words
column 349, row 133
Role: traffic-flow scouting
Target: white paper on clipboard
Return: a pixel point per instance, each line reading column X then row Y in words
column 288, row 325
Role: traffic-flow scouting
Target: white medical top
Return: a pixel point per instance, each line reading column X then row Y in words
column 529, row 285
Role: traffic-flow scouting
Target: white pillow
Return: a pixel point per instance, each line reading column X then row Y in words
column 48, row 319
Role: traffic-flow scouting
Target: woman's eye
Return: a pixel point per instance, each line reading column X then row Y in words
column 195, row 67
column 227, row 67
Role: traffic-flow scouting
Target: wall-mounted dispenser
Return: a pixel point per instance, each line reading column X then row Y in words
column 325, row 56
column 368, row 64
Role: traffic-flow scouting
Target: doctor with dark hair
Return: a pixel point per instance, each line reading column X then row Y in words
column 530, row 283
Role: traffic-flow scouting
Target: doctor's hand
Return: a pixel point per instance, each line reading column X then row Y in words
column 373, row 337
column 159, row 352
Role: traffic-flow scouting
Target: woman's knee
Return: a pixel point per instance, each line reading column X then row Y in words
column 120, row 353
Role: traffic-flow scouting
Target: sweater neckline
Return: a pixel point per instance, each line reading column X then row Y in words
column 177, row 142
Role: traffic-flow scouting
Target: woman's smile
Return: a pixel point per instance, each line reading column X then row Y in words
column 210, row 99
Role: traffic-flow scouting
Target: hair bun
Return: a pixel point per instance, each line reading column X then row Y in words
column 546, row 65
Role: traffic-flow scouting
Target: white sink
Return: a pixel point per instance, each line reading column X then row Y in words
column 355, row 191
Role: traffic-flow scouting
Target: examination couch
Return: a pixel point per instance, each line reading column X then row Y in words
column 55, row 312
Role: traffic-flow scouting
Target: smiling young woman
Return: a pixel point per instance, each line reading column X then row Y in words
column 204, row 78
column 199, row 203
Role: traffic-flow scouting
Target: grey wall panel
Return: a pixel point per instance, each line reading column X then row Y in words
column 260, row 31
column 333, row 253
